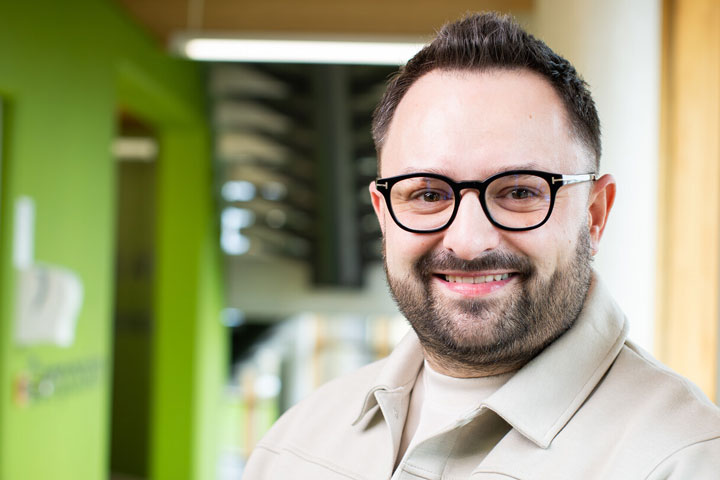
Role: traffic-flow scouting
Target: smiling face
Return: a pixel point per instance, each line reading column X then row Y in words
column 485, row 300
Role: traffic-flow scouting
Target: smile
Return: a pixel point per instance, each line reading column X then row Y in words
column 476, row 279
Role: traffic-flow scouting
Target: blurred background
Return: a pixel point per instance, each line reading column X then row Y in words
column 186, row 242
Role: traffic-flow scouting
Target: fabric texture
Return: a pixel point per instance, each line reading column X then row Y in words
column 592, row 405
column 438, row 401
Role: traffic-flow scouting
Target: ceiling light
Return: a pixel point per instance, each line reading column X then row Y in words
column 300, row 50
column 135, row 148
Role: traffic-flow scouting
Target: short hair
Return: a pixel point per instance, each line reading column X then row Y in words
column 489, row 41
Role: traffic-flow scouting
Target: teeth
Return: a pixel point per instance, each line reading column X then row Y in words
column 477, row 279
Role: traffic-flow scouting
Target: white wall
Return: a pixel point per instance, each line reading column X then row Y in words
column 276, row 288
column 615, row 45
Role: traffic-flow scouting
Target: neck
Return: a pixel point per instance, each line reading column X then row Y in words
column 456, row 369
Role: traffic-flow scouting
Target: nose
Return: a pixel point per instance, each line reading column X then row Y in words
column 471, row 233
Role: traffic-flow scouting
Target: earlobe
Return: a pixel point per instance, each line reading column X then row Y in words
column 378, row 205
column 600, row 203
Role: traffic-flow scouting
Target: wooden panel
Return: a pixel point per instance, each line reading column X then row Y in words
column 159, row 17
column 419, row 17
column 689, row 243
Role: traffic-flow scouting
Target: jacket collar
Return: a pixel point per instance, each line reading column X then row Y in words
column 399, row 372
column 544, row 394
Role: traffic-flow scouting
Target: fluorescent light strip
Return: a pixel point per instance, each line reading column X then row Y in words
column 300, row 51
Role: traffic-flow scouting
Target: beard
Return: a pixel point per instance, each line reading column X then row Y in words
column 497, row 334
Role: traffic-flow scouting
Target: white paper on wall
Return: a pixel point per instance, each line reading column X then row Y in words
column 48, row 305
column 49, row 297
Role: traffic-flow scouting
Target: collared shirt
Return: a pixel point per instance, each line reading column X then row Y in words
column 592, row 405
column 438, row 402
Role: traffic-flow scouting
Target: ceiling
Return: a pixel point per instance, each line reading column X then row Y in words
column 163, row 18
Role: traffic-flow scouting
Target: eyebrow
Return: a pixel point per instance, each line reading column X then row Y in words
column 440, row 171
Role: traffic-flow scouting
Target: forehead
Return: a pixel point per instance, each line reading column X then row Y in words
column 470, row 125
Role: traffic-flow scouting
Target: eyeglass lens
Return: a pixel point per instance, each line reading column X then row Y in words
column 513, row 201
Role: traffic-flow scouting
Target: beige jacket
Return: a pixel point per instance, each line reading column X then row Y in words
column 591, row 406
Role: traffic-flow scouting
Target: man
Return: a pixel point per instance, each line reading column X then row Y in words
column 518, row 365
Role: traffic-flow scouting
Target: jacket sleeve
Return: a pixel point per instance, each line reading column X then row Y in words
column 698, row 461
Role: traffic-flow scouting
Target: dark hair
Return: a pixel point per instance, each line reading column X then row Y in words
column 487, row 41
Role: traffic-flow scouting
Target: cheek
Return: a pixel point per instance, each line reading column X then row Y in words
column 562, row 241
column 403, row 249
column 549, row 246
column 534, row 245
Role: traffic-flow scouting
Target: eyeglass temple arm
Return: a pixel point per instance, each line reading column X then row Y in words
column 569, row 179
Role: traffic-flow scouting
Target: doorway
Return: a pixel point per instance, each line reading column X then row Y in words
column 135, row 152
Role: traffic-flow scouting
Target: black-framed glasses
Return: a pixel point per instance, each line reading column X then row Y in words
column 515, row 200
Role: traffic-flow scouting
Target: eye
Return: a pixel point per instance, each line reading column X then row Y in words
column 521, row 193
column 518, row 193
column 430, row 196
column 421, row 192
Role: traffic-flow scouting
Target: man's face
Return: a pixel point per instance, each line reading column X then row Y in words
column 470, row 126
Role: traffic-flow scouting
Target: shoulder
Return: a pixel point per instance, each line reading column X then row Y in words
column 699, row 460
column 339, row 426
column 313, row 438
column 653, row 406
column 334, row 405
column 661, row 386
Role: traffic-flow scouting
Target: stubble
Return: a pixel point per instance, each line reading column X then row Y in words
column 490, row 336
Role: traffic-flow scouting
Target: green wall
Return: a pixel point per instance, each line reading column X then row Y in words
column 66, row 68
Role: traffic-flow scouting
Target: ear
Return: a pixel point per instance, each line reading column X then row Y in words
column 600, row 202
column 378, row 203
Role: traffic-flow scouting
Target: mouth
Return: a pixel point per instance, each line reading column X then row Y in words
column 475, row 284
column 496, row 277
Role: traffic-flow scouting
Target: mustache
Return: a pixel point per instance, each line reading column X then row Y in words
column 494, row 260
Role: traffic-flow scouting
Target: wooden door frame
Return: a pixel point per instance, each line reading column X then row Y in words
column 689, row 192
